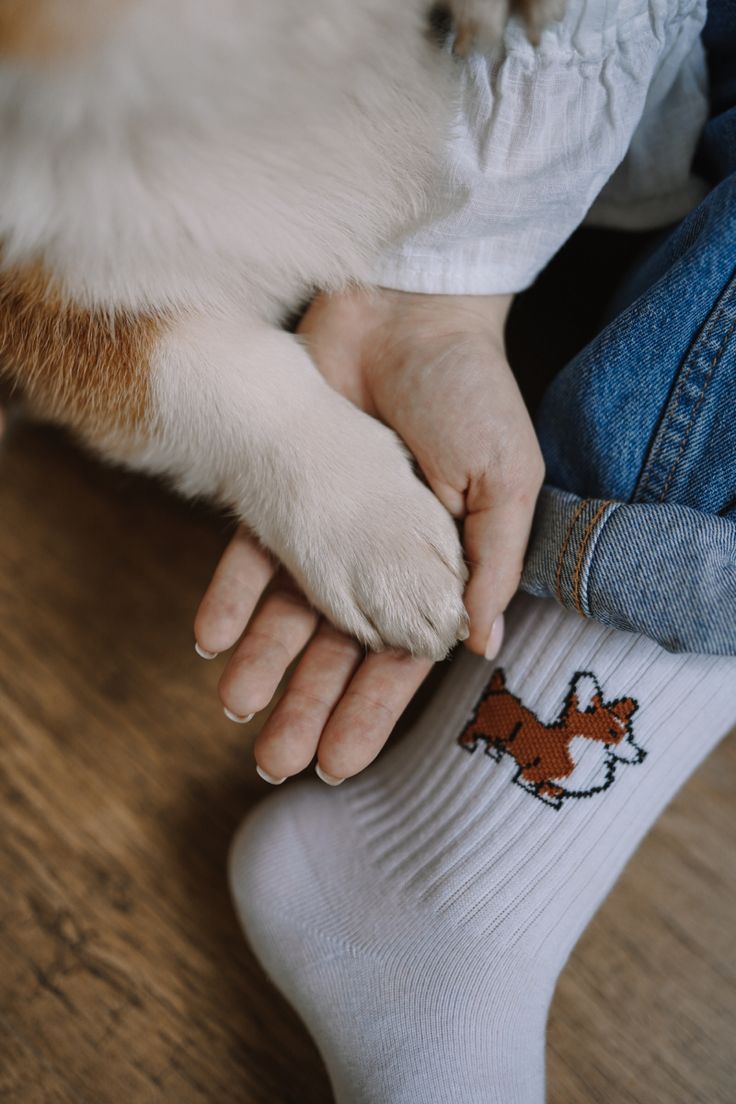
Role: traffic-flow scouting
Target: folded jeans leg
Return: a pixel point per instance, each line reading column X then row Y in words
column 637, row 525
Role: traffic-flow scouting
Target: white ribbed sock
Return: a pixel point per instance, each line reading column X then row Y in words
column 418, row 916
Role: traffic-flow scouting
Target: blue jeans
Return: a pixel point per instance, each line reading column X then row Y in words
column 636, row 526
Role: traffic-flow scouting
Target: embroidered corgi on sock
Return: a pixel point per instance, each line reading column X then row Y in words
column 577, row 755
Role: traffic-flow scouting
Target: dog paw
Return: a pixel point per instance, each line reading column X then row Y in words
column 481, row 23
column 537, row 14
column 403, row 577
column 399, row 582
column 381, row 557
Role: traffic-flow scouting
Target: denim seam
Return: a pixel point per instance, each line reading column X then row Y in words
column 564, row 547
column 669, row 415
column 582, row 550
column 698, row 403
column 691, row 362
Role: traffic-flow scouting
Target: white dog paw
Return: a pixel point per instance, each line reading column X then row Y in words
column 381, row 557
column 404, row 577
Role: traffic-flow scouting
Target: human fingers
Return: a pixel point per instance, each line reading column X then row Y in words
column 365, row 716
column 240, row 578
column 272, row 639
column 288, row 741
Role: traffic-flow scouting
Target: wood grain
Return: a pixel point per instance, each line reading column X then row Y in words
column 123, row 976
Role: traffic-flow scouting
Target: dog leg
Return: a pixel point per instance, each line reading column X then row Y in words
column 238, row 411
column 234, row 409
column 231, row 408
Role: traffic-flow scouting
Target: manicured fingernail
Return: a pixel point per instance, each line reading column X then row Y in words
column 464, row 633
column 269, row 777
column 495, row 640
column 328, row 778
column 204, row 653
column 237, row 717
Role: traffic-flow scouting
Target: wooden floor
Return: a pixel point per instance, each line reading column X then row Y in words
column 123, row 977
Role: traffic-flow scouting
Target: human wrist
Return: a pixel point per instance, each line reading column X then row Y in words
column 456, row 314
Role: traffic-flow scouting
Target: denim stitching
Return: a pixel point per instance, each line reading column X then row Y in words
column 649, row 472
column 670, row 414
column 577, row 574
column 706, row 380
column 558, row 574
column 590, row 554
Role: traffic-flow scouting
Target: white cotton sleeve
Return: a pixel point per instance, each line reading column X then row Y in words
column 540, row 134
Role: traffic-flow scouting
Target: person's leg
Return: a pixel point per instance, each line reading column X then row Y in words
column 418, row 916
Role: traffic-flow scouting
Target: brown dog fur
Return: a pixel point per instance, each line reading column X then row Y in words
column 76, row 366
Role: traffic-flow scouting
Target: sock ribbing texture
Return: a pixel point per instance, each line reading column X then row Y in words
column 419, row 915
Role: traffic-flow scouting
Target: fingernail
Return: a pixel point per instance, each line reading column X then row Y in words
column 495, row 640
column 464, row 633
column 328, row 778
column 237, row 717
column 204, row 653
column 272, row 781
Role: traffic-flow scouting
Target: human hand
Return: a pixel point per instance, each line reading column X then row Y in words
column 434, row 368
column 338, row 700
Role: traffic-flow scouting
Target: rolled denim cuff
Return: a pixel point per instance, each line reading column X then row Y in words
column 663, row 570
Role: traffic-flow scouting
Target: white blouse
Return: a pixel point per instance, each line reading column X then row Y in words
column 600, row 120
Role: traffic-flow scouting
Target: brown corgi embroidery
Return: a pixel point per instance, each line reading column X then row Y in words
column 577, row 755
